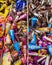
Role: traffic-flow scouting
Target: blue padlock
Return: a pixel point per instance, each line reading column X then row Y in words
column 28, row 29
column 33, row 41
column 24, row 4
column 33, row 21
column 34, row 47
column 17, row 47
column 20, row 4
column 11, row 33
column 51, row 33
column 50, row 49
column 49, row 25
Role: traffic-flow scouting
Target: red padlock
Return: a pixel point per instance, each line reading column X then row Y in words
column 1, row 53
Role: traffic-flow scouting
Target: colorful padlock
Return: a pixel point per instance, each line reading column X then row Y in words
column 33, row 21
column 17, row 47
column 20, row 4
column 11, row 33
column 50, row 49
column 34, row 47
column 33, row 41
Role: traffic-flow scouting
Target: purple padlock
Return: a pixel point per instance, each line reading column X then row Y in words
column 40, row 42
column 44, row 44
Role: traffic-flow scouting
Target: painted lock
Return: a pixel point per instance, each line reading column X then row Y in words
column 3, row 9
column 8, row 26
column 34, row 47
column 33, row 21
column 11, row 33
column 20, row 4
column 16, row 47
column 33, row 41
column 8, row 40
column 19, row 62
column 50, row 49
column 7, row 59
column 1, row 44
column 28, row 29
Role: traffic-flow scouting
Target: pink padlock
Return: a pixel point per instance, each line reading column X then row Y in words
column 9, row 18
column 24, row 60
column 18, row 13
column 24, row 16
column 1, row 52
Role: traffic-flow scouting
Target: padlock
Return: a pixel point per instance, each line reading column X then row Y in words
column 34, row 47
column 8, row 40
column 20, row 4
column 33, row 41
column 50, row 49
column 8, row 26
column 1, row 44
column 7, row 59
column 11, row 33
column 17, row 47
column 19, row 62
column 33, row 21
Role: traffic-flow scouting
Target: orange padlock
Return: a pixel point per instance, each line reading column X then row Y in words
column 2, row 19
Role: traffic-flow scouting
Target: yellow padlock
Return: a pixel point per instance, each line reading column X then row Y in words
column 4, row 9
column 1, row 33
column 19, row 62
column 45, row 29
column 7, row 59
column 8, row 26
